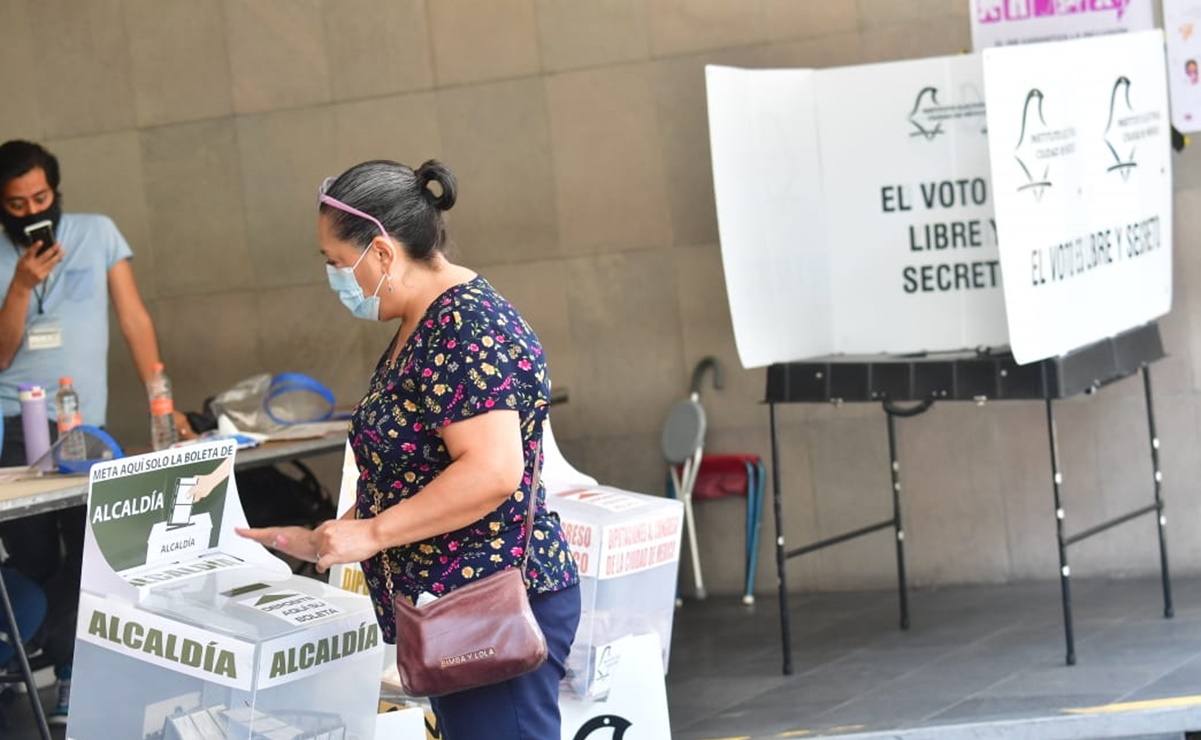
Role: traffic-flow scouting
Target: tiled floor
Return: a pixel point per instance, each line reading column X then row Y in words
column 977, row 662
column 973, row 656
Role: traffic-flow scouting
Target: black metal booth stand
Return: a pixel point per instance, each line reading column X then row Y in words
column 967, row 377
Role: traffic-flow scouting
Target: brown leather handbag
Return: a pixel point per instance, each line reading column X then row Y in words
column 479, row 634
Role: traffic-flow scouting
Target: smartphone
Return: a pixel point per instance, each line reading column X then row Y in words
column 42, row 231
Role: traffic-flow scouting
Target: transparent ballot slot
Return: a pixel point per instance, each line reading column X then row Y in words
column 241, row 653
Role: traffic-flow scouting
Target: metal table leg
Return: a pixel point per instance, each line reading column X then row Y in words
column 785, row 625
column 14, row 634
column 894, row 466
column 1160, row 519
column 1064, row 571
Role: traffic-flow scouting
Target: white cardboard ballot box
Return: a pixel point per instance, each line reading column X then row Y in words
column 635, row 708
column 627, row 547
column 188, row 631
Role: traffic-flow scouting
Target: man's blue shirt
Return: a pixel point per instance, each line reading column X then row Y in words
column 74, row 300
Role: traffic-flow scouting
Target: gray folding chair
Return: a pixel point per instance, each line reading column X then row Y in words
column 682, row 442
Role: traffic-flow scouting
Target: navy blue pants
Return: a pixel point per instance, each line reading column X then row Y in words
column 526, row 707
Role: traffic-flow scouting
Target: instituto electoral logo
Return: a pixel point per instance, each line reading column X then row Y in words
column 928, row 115
column 1126, row 127
column 926, row 124
column 1040, row 145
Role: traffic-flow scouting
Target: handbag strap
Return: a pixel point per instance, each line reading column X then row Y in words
column 528, row 525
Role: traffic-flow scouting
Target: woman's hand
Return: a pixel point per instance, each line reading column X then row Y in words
column 297, row 542
column 345, row 540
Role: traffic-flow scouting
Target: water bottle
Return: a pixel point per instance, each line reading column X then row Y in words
column 66, row 408
column 35, row 424
column 162, row 409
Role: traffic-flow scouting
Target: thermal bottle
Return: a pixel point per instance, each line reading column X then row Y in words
column 35, row 424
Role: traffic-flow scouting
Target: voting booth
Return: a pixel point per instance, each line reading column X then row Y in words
column 188, row 631
column 993, row 226
column 997, row 201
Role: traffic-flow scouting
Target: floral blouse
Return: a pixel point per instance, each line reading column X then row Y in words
column 470, row 353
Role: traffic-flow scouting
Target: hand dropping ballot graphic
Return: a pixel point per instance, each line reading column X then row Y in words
column 161, row 508
column 187, row 528
column 165, row 517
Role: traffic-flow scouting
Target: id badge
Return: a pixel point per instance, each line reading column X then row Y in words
column 44, row 336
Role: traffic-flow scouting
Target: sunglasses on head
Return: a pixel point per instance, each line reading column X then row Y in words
column 335, row 203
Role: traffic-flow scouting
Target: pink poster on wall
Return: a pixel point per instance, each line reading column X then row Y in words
column 1182, row 26
column 1006, row 22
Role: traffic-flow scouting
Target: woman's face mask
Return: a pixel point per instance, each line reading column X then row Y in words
column 341, row 279
column 343, row 282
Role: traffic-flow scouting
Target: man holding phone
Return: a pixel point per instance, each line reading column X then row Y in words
column 60, row 272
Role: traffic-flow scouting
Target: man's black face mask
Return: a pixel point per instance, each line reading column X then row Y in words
column 14, row 226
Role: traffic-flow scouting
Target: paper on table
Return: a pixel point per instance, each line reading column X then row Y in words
column 19, row 472
column 311, row 430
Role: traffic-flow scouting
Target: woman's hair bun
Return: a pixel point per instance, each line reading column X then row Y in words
column 434, row 171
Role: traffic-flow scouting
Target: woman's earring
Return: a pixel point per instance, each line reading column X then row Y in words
column 389, row 277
